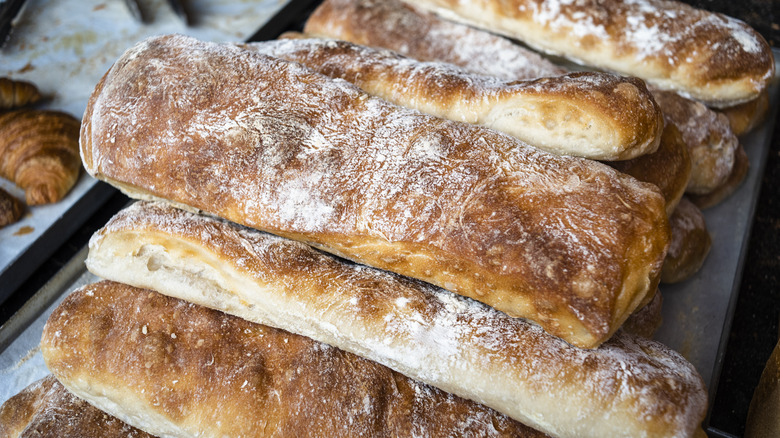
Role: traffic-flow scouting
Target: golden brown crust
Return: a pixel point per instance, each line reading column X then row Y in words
column 703, row 55
column 393, row 24
column 669, row 167
column 745, row 117
column 567, row 242
column 762, row 420
column 172, row 367
column 432, row 335
column 690, row 244
column 593, row 115
column 11, row 209
column 645, row 321
column 417, row 34
column 732, row 183
column 16, row 94
column 39, row 151
column 45, row 409
column 710, row 141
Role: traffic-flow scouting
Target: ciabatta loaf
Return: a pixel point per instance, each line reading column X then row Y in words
column 627, row 387
column 569, row 243
column 421, row 35
column 175, row 369
column 593, row 115
column 711, row 142
column 645, row 321
column 45, row 409
column 700, row 54
column 691, row 242
column 732, row 183
column 669, row 167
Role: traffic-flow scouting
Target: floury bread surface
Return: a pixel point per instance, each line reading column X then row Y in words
column 566, row 242
column 421, row 35
column 594, row 115
column 45, row 409
column 627, row 387
column 175, row 369
column 700, row 54
column 711, row 143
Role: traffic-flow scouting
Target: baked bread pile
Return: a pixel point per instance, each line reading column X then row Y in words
column 592, row 115
column 566, row 242
column 333, row 239
column 15, row 94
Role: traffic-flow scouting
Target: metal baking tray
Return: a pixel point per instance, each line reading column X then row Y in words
column 64, row 47
column 697, row 313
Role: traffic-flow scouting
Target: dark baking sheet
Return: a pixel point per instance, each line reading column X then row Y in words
column 25, row 245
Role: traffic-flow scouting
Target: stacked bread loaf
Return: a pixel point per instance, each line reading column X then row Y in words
column 659, row 40
column 566, row 242
column 716, row 163
column 320, row 250
column 272, row 145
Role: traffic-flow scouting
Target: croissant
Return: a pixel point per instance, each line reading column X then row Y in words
column 39, row 152
column 10, row 208
column 16, row 94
